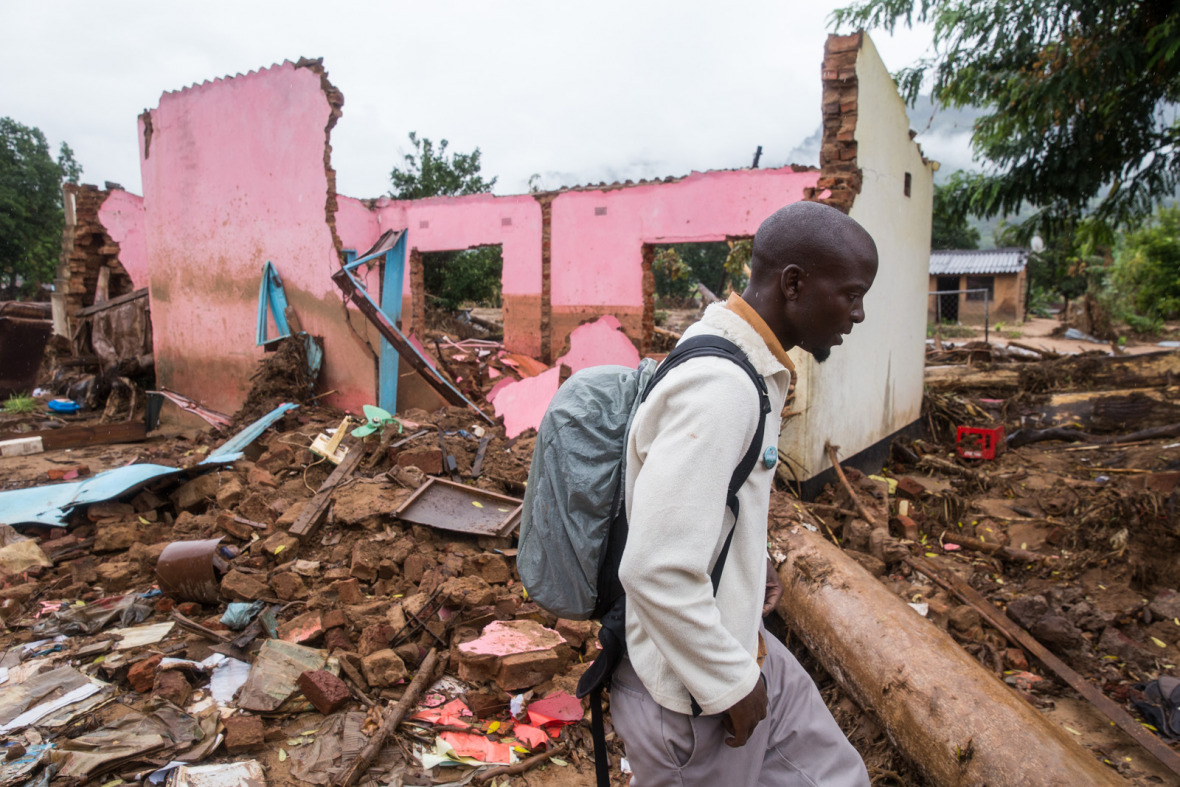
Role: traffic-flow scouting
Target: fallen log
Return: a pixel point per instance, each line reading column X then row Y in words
column 949, row 716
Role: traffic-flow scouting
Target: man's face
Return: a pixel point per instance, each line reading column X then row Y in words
column 829, row 302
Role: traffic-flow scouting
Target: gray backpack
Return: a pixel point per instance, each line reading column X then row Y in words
column 573, row 525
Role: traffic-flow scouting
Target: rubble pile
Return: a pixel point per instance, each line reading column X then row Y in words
column 1073, row 537
column 186, row 618
column 255, row 611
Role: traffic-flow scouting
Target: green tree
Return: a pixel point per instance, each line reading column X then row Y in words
column 1079, row 98
column 452, row 278
column 434, row 173
column 31, row 217
column 950, row 229
column 1147, row 266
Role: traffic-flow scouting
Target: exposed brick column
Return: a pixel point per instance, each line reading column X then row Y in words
column 87, row 248
column 546, row 201
column 840, row 177
column 417, row 319
column 649, row 300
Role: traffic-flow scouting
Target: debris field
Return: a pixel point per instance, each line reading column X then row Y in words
column 281, row 618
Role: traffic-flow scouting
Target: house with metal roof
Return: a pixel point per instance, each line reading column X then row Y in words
column 967, row 285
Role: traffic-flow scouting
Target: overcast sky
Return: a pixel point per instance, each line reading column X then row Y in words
column 572, row 92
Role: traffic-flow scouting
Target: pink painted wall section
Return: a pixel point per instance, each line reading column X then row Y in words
column 598, row 235
column 233, row 176
column 122, row 216
column 456, row 223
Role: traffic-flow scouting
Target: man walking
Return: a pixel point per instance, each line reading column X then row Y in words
column 758, row 719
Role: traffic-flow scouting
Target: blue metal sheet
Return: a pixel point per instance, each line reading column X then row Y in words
column 272, row 296
column 49, row 505
column 231, row 449
column 391, row 305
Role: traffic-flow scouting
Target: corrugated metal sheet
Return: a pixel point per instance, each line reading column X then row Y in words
column 950, row 263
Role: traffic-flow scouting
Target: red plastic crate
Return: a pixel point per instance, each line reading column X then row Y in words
column 983, row 443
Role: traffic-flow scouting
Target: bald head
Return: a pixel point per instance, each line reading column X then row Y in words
column 810, row 235
column 810, row 270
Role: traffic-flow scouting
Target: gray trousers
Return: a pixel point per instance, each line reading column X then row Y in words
column 798, row 743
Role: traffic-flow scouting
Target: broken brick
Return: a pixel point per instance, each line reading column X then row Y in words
column 428, row 460
column 347, row 591
column 576, row 632
column 337, row 639
column 468, row 592
column 374, row 638
column 243, row 733
column 258, row 476
column 289, row 586
column 230, row 493
column 364, row 561
column 281, row 546
column 324, row 690
column 516, row 654
column 909, row 488
column 142, row 675
column 335, row 618
column 196, row 493
column 383, row 669
column 172, row 686
column 302, row 629
column 241, row 587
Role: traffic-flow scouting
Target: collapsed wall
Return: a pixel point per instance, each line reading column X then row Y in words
column 236, row 172
column 103, row 231
column 870, row 389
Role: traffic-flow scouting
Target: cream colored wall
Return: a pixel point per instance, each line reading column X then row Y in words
column 872, row 384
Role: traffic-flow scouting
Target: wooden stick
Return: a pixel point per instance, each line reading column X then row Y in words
column 520, row 767
column 1011, row 554
column 193, row 626
column 864, row 512
column 393, row 716
column 830, row 509
column 1017, row 635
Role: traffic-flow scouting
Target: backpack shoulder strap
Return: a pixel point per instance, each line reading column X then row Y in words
column 711, row 345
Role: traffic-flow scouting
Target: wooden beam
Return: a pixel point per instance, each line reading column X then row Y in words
column 406, row 350
column 76, row 436
column 113, row 302
column 1018, row 636
column 314, row 513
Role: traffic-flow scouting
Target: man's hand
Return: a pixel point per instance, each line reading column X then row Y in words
column 740, row 720
column 774, row 589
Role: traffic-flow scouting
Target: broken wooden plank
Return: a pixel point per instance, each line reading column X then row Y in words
column 952, row 718
column 1018, row 636
column 316, row 509
column 404, row 349
column 76, row 436
column 477, row 465
column 113, row 302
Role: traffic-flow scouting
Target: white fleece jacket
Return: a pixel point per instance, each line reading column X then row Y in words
column 684, row 444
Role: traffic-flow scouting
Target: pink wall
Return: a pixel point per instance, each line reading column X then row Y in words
column 122, row 216
column 234, row 176
column 456, row 223
column 598, row 236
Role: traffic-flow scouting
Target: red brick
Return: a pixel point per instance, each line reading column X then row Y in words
column 348, row 591
column 374, row 638
column 172, row 686
column 428, row 460
column 384, row 669
column 909, row 488
column 335, row 618
column 243, row 733
column 142, row 675
column 324, row 690
column 239, row 586
column 302, row 629
column 164, row 605
column 337, row 639
column 288, row 586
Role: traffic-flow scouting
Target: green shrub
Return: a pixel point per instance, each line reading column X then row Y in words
column 1147, row 268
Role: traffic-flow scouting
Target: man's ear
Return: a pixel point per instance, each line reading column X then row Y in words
column 789, row 281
